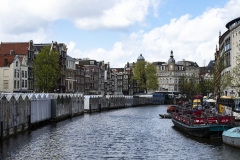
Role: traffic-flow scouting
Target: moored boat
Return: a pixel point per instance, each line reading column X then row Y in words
column 165, row 115
column 232, row 137
column 171, row 108
column 194, row 123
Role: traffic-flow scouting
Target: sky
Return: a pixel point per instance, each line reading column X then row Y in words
column 118, row 31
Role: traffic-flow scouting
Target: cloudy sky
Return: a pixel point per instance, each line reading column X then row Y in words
column 118, row 31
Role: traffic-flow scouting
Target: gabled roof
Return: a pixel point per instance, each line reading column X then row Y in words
column 7, row 62
column 117, row 70
column 158, row 63
column 189, row 63
column 9, row 59
column 39, row 47
column 19, row 48
column 87, row 62
column 211, row 63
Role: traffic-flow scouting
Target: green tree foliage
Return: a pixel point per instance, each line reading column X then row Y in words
column 151, row 77
column 221, row 79
column 46, row 69
column 145, row 74
column 189, row 85
column 183, row 84
column 206, row 86
column 235, row 76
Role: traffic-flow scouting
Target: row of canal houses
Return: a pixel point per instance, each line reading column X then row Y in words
column 21, row 111
column 84, row 75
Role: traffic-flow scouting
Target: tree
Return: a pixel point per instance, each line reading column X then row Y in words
column 145, row 74
column 151, row 77
column 235, row 76
column 221, row 79
column 185, row 86
column 46, row 70
column 206, row 86
column 189, row 85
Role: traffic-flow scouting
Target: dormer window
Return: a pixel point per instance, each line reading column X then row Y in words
column 16, row 63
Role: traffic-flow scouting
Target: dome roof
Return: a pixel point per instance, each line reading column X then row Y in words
column 140, row 58
column 171, row 59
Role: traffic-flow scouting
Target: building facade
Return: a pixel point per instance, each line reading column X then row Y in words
column 92, row 71
column 171, row 73
column 229, row 50
column 82, row 80
column 61, row 48
column 16, row 61
column 70, row 75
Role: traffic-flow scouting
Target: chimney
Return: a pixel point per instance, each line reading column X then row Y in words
column 11, row 52
column 5, row 62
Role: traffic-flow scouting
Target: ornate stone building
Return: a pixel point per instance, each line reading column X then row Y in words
column 229, row 48
column 171, row 73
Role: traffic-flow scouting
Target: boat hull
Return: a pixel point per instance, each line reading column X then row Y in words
column 232, row 137
column 165, row 115
column 203, row 131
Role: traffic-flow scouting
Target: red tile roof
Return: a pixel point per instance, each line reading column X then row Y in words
column 9, row 60
column 19, row 48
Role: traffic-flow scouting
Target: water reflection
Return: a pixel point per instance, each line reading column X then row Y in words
column 131, row 133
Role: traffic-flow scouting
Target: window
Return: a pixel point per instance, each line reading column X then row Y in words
column 15, row 73
column 91, row 85
column 119, row 83
column 82, row 80
column 22, row 83
column 91, row 62
column 82, row 72
column 25, row 74
column 5, row 84
column 69, row 85
column 30, row 73
column 15, row 84
column 119, row 77
column 80, row 89
column 25, row 83
column 16, row 63
column 22, row 73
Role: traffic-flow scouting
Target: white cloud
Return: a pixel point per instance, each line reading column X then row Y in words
column 70, row 46
column 39, row 36
column 190, row 38
column 116, row 56
column 30, row 15
column 121, row 15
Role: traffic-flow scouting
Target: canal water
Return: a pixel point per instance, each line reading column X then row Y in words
column 136, row 133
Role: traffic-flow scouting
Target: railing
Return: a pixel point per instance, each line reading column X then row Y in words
column 194, row 121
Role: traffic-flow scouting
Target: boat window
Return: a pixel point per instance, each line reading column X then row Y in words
column 237, row 105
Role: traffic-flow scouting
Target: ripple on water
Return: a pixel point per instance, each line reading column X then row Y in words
column 131, row 133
